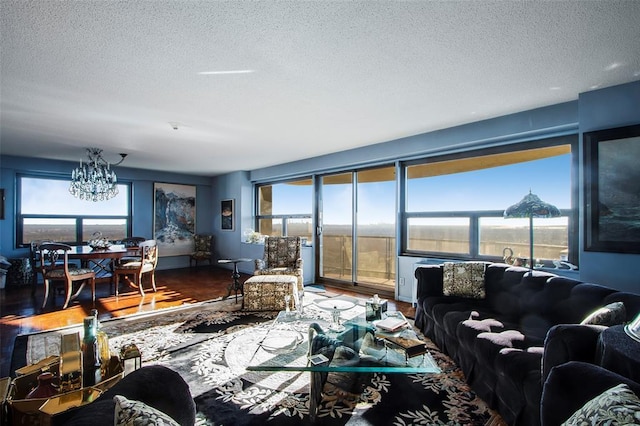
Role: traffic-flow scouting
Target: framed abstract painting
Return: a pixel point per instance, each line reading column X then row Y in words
column 174, row 218
column 612, row 198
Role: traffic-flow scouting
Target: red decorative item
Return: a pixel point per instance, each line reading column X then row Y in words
column 45, row 388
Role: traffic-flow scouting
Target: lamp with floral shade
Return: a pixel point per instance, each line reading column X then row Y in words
column 529, row 207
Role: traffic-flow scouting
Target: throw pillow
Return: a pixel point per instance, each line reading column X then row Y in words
column 615, row 406
column 612, row 314
column 464, row 279
column 504, row 338
column 136, row 413
column 482, row 325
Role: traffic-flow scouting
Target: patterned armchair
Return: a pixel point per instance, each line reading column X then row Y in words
column 282, row 256
column 202, row 249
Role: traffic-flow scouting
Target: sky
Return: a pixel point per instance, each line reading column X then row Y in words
column 51, row 196
column 489, row 189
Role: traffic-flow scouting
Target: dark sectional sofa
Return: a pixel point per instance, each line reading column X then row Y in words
column 508, row 342
column 155, row 386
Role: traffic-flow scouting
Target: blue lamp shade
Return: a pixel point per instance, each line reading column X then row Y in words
column 531, row 206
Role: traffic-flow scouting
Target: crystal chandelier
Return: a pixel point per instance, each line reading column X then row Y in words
column 94, row 180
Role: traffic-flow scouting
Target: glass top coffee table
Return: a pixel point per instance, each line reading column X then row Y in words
column 356, row 346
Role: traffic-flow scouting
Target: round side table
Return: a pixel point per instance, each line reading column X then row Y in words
column 619, row 353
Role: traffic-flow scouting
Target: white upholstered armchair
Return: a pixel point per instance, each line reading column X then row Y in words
column 282, row 256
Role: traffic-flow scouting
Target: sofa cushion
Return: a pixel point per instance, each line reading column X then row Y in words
column 631, row 303
column 611, row 314
column 455, row 302
column 464, row 279
column 500, row 280
column 136, row 413
column 587, row 297
column 440, row 310
column 518, row 373
column 617, row 405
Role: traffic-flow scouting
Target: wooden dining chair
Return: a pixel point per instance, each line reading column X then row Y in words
column 131, row 244
column 54, row 266
column 137, row 268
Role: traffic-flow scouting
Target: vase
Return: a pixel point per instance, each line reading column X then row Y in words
column 45, row 388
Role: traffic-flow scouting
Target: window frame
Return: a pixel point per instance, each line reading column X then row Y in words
column 79, row 219
column 474, row 216
column 283, row 217
column 474, row 234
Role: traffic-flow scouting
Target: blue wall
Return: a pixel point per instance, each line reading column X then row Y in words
column 554, row 120
column 234, row 186
column 142, row 190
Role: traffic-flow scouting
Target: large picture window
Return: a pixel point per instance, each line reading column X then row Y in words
column 454, row 206
column 47, row 211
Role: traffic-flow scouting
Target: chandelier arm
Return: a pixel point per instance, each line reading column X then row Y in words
column 123, row 155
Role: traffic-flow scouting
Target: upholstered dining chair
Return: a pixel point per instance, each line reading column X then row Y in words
column 131, row 244
column 203, row 249
column 53, row 261
column 282, row 256
column 133, row 271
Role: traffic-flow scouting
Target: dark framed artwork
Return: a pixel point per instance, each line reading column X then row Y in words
column 612, row 195
column 174, row 218
column 227, row 215
column 1, row 203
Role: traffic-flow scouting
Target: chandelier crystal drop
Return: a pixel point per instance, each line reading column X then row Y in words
column 94, row 180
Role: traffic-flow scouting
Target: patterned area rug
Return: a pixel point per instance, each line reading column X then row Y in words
column 211, row 344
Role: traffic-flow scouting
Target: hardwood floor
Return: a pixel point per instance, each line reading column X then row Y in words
column 21, row 313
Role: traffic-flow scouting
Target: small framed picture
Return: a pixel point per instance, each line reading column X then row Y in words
column 226, row 215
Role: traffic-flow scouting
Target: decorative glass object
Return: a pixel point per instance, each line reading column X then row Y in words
column 103, row 345
column 633, row 328
column 91, row 372
column 98, row 242
column 45, row 387
column 94, row 180
column 70, row 376
column 375, row 307
column 131, row 358
column 287, row 299
column 335, row 320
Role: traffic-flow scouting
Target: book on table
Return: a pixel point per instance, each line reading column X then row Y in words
column 391, row 323
column 410, row 346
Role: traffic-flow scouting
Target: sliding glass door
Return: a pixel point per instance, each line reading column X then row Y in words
column 376, row 227
column 336, row 221
column 357, row 216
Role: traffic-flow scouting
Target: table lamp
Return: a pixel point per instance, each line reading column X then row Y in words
column 531, row 206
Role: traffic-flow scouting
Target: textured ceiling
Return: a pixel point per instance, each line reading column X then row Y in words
column 327, row 76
